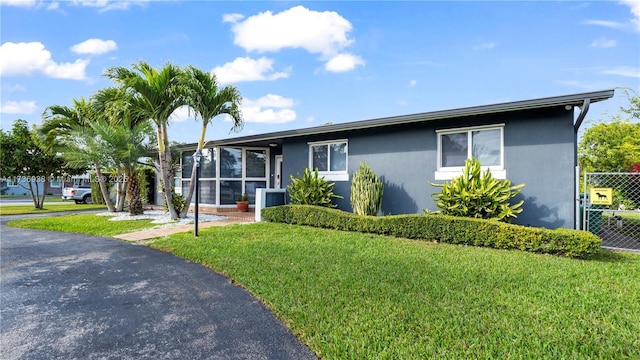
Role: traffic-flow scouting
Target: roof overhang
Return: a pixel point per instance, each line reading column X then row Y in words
column 572, row 100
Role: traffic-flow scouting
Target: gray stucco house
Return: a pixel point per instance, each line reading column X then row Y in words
column 530, row 141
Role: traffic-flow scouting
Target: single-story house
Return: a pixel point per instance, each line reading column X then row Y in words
column 531, row 141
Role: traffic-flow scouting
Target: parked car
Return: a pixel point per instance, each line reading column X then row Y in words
column 81, row 195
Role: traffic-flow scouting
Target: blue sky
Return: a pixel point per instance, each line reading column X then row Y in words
column 301, row 64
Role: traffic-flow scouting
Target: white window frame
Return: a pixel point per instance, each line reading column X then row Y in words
column 449, row 172
column 243, row 178
column 342, row 175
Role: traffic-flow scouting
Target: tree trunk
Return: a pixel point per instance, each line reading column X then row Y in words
column 44, row 192
column 133, row 193
column 120, row 185
column 104, row 190
column 192, row 183
column 164, row 156
column 192, row 188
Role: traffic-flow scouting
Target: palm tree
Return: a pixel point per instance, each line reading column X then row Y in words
column 155, row 96
column 208, row 101
column 127, row 131
column 126, row 144
column 66, row 130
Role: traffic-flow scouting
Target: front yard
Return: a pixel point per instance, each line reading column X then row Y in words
column 362, row 296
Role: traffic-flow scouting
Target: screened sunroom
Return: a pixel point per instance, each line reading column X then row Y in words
column 226, row 173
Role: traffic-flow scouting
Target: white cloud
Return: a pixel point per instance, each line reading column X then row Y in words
column 412, row 83
column 484, row 46
column 311, row 119
column 605, row 23
column 94, row 46
column 182, row 114
column 248, row 69
column 13, row 88
column 18, row 107
column 623, row 71
column 324, row 33
column 270, row 100
column 269, row 109
column 21, row 3
column 635, row 10
column 603, row 43
column 23, row 59
column 343, row 62
column 53, row 6
column 232, row 18
column 108, row 5
column 298, row 27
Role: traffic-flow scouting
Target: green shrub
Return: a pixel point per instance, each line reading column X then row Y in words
column 366, row 191
column 478, row 195
column 312, row 190
column 178, row 201
column 443, row 228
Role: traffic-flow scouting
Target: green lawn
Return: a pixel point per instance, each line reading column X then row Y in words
column 48, row 198
column 48, row 208
column 361, row 296
column 83, row 223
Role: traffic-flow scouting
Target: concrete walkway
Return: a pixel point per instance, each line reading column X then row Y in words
column 231, row 218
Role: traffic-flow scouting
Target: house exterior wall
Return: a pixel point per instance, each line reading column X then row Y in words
column 539, row 150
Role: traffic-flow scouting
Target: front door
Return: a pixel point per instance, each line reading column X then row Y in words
column 278, row 174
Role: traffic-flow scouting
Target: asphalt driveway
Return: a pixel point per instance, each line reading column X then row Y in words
column 71, row 296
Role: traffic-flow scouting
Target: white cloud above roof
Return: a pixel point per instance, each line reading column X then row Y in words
column 101, row 5
column 635, row 10
column 324, row 33
column 94, row 46
column 343, row 62
column 248, row 69
column 21, row 3
column 24, row 59
column 18, row 107
column 627, row 71
column 634, row 22
column 108, row 5
column 606, row 23
column 269, row 109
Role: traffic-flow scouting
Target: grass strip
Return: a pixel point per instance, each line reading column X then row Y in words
column 90, row 224
column 362, row 296
column 49, row 208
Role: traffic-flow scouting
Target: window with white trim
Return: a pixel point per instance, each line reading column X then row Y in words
column 330, row 158
column 455, row 146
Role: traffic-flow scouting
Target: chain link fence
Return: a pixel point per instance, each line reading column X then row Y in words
column 611, row 208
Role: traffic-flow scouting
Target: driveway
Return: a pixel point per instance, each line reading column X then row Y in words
column 71, row 296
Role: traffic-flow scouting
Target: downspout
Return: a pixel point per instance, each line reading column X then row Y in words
column 583, row 113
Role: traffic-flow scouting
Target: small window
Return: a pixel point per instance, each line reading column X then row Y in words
column 455, row 146
column 330, row 158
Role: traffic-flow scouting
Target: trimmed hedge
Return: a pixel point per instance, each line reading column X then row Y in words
column 442, row 228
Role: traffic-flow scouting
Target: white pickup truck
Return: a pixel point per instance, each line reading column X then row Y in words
column 81, row 195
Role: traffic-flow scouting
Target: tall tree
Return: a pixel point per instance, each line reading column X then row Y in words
column 613, row 146
column 156, row 95
column 25, row 160
column 208, row 101
column 127, row 131
column 66, row 130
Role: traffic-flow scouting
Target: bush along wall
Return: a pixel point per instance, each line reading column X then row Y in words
column 443, row 228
